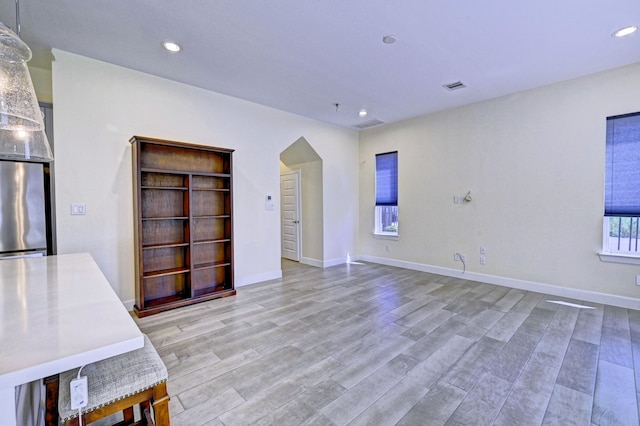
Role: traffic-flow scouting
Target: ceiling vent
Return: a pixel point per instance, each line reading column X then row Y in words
column 454, row 86
column 370, row 123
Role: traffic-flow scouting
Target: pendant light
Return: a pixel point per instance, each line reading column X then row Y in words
column 22, row 135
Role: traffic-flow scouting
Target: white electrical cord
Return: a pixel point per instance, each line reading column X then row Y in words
column 80, row 408
column 464, row 266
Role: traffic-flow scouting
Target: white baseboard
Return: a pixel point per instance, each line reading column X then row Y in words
column 334, row 262
column 323, row 263
column 274, row 275
column 312, row 262
column 129, row 304
column 572, row 293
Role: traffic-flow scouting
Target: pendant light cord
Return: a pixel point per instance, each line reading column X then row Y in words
column 18, row 18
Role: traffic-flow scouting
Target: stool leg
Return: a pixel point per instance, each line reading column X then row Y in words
column 161, row 404
column 127, row 413
column 51, row 417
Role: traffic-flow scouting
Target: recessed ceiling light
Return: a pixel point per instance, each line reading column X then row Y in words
column 622, row 32
column 171, row 46
column 389, row 39
column 362, row 112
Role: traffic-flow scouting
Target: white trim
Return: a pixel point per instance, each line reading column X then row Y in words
column 572, row 293
column 387, row 236
column 614, row 257
column 619, row 258
column 274, row 275
column 377, row 222
column 336, row 261
column 128, row 304
column 311, row 262
column 328, row 263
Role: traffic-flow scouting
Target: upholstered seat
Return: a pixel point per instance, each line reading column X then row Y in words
column 117, row 384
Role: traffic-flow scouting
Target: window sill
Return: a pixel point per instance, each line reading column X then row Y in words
column 619, row 258
column 395, row 237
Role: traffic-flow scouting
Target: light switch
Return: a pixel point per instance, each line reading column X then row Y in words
column 78, row 209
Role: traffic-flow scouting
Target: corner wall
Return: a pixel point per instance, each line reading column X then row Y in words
column 41, row 80
column 534, row 163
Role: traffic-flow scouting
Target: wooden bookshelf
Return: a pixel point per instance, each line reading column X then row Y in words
column 184, row 223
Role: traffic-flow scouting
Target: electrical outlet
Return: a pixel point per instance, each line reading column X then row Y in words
column 79, row 393
column 483, row 260
column 637, row 279
column 483, row 250
column 457, row 257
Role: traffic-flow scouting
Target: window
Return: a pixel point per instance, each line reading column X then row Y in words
column 622, row 186
column 387, row 194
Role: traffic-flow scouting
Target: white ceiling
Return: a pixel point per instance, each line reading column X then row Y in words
column 303, row 56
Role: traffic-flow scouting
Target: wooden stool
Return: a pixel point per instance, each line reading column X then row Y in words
column 116, row 385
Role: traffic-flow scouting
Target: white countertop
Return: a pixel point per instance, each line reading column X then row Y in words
column 58, row 313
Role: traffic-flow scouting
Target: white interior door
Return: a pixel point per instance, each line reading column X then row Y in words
column 290, row 215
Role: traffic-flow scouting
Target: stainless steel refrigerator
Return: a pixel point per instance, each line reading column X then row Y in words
column 23, row 221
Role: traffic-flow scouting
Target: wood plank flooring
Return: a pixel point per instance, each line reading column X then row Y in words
column 377, row 345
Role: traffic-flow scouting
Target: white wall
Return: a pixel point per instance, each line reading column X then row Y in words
column 99, row 106
column 534, row 163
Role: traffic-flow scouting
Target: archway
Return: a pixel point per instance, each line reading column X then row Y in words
column 301, row 158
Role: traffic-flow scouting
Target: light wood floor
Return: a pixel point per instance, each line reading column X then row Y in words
column 376, row 345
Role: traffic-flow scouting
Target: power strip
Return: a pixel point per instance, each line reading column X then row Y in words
column 79, row 393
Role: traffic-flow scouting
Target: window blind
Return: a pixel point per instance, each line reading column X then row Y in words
column 622, row 170
column 387, row 179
